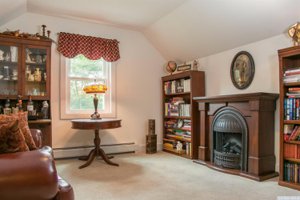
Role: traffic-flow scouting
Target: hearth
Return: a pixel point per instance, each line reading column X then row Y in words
column 229, row 139
column 237, row 134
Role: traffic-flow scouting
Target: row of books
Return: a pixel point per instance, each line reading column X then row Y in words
column 178, row 134
column 177, row 86
column 291, row 108
column 291, row 132
column 184, row 124
column 293, row 92
column 291, row 151
column 291, row 76
column 292, row 172
column 177, row 107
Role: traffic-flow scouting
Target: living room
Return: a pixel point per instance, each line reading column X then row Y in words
column 149, row 35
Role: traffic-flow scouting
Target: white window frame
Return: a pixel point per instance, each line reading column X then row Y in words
column 110, row 94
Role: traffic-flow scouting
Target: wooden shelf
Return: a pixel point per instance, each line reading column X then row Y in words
column 290, row 185
column 296, row 160
column 182, row 129
column 289, row 59
column 180, row 138
column 178, row 94
column 291, row 121
column 176, row 117
column 40, row 121
column 292, row 84
column 292, row 142
column 174, row 151
column 194, row 83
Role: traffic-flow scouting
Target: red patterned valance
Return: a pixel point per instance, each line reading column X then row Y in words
column 94, row 48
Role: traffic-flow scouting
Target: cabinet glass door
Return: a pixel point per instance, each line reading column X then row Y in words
column 9, row 70
column 35, row 72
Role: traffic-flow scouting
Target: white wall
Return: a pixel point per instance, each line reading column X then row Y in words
column 138, row 81
column 266, row 78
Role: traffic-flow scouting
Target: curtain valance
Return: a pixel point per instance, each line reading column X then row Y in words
column 94, row 48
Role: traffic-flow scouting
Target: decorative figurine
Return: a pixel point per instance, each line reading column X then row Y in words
column 6, row 73
column 48, row 33
column 45, row 110
column 44, row 27
column 179, row 146
column 195, row 65
column 37, row 75
column 1, row 55
column 294, row 33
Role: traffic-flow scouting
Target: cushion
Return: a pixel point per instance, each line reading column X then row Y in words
column 23, row 125
column 11, row 138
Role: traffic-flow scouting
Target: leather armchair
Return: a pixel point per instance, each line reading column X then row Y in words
column 32, row 175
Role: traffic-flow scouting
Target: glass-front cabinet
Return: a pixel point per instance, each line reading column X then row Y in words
column 24, row 68
column 25, row 80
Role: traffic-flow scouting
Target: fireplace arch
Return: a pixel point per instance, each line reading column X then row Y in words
column 229, row 139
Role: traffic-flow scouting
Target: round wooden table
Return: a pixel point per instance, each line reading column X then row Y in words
column 96, row 124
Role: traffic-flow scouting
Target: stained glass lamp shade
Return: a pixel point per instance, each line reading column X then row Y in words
column 95, row 88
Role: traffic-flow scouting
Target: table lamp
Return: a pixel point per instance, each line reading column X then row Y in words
column 95, row 88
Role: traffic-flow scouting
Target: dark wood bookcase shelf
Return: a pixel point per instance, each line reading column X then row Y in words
column 289, row 176
column 182, row 87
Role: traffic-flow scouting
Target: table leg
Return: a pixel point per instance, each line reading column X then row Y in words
column 100, row 151
column 97, row 151
column 90, row 159
column 86, row 157
column 106, row 158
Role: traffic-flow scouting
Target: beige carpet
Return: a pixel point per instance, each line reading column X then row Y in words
column 162, row 176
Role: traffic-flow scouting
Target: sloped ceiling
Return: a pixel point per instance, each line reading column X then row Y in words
column 181, row 30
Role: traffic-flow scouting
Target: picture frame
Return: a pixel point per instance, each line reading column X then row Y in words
column 183, row 68
column 242, row 70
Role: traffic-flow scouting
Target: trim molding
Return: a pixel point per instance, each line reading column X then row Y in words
column 121, row 148
column 71, row 152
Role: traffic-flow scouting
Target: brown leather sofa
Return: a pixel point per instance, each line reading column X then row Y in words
column 32, row 175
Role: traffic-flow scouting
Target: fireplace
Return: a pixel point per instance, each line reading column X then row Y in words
column 229, row 139
column 237, row 134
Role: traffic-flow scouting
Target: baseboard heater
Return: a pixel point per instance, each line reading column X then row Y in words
column 75, row 152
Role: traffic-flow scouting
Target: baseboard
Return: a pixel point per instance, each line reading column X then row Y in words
column 142, row 148
column 70, row 152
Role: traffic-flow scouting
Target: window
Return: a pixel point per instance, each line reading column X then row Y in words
column 75, row 74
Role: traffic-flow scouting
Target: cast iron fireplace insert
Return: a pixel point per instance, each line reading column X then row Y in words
column 229, row 139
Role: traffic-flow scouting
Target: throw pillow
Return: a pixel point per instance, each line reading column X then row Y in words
column 11, row 138
column 23, row 125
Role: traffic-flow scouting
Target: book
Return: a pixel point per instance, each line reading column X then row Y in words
column 295, row 133
column 294, row 89
column 287, row 130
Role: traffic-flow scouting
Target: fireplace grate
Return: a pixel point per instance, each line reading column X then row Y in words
column 227, row 160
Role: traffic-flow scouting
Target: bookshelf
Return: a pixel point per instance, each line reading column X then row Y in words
column 289, row 76
column 180, row 113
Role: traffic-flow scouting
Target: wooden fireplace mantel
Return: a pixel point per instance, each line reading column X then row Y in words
column 258, row 111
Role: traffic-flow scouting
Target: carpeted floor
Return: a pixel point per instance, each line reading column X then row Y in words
column 162, row 176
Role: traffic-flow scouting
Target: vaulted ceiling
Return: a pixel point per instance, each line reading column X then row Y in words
column 180, row 29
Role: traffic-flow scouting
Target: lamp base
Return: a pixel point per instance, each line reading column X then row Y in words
column 95, row 115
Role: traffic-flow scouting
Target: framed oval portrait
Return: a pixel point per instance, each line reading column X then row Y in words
column 242, row 70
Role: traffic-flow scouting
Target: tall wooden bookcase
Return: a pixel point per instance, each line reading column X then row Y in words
column 289, row 76
column 180, row 113
column 25, row 71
